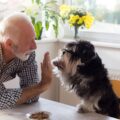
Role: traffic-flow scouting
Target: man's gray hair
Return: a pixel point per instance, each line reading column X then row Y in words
column 8, row 28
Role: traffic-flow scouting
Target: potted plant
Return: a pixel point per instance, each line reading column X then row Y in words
column 37, row 11
column 33, row 11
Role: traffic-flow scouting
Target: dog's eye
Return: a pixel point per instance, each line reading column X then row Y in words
column 63, row 52
column 68, row 51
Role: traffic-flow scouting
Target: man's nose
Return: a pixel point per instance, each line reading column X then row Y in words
column 33, row 45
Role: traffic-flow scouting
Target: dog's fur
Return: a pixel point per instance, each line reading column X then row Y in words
column 80, row 68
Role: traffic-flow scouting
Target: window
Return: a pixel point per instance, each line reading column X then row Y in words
column 8, row 6
column 107, row 19
column 106, row 13
column 103, row 10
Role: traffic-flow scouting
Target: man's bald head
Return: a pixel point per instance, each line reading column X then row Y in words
column 16, row 25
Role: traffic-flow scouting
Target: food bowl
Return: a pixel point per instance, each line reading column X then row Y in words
column 41, row 115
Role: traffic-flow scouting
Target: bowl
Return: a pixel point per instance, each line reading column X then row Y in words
column 41, row 115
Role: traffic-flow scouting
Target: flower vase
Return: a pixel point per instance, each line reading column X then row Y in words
column 76, row 32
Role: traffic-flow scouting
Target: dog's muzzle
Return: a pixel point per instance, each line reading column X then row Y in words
column 59, row 64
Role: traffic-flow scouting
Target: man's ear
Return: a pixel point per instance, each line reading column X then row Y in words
column 9, row 44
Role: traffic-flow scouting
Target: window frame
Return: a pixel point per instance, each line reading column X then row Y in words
column 96, row 35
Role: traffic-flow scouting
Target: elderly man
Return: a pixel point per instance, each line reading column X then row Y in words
column 17, row 57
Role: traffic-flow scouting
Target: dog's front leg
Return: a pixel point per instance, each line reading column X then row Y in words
column 85, row 107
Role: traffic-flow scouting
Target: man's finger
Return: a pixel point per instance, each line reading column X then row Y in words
column 49, row 63
column 46, row 58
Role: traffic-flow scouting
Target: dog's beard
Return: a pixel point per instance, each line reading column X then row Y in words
column 64, row 69
column 59, row 70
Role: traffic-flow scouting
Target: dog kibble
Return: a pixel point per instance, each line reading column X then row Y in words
column 39, row 116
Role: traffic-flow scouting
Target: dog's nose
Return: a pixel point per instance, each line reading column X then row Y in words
column 55, row 63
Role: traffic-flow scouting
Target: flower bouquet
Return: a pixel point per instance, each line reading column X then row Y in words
column 76, row 17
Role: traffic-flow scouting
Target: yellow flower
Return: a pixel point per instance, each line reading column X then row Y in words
column 65, row 7
column 88, row 20
column 64, row 10
column 80, row 21
column 73, row 15
column 71, row 25
column 76, row 17
column 73, row 19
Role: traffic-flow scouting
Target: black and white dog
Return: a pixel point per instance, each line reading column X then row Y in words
column 80, row 68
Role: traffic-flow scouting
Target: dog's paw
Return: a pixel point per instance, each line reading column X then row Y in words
column 81, row 109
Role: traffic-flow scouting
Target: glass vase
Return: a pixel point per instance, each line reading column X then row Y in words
column 76, row 32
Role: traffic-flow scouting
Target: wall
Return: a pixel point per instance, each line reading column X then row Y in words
column 52, row 93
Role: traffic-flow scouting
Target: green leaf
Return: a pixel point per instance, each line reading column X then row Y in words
column 38, row 29
column 47, row 25
column 32, row 1
column 54, row 27
column 51, row 2
column 38, row 1
column 33, row 20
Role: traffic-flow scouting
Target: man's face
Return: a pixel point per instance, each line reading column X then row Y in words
column 22, row 56
column 24, row 47
column 25, row 43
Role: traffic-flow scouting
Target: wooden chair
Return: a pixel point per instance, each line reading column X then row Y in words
column 116, row 87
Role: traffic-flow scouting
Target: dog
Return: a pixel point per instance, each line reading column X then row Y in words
column 80, row 69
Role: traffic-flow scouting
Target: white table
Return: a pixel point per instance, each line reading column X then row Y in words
column 58, row 111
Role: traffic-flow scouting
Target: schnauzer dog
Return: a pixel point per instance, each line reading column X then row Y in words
column 81, row 69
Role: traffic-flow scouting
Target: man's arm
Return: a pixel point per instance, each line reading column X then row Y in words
column 8, row 97
column 11, row 97
column 37, row 89
column 30, row 92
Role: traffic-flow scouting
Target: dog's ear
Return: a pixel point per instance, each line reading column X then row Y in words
column 81, row 68
column 87, row 53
